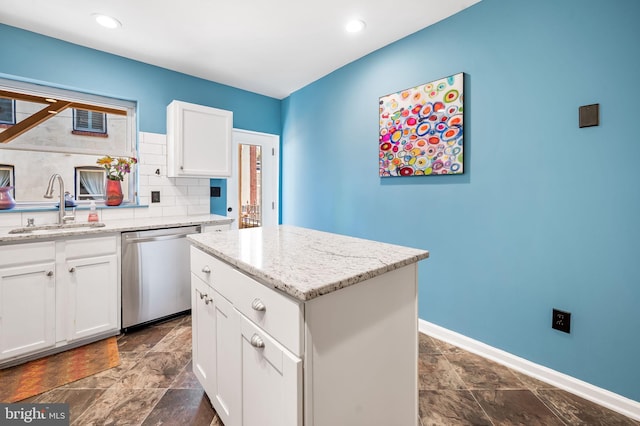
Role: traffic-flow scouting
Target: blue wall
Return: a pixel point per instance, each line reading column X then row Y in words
column 546, row 214
column 32, row 57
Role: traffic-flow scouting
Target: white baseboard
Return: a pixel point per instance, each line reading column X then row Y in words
column 608, row 399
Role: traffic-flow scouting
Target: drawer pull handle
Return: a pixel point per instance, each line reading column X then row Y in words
column 72, row 270
column 258, row 305
column 256, row 341
column 206, row 270
column 50, row 273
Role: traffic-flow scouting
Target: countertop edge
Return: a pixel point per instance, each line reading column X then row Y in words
column 115, row 226
column 304, row 296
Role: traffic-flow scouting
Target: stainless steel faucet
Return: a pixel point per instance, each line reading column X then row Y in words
column 62, row 216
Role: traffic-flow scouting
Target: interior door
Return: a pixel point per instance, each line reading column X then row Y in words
column 252, row 190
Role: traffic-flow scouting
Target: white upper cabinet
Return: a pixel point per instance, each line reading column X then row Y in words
column 198, row 141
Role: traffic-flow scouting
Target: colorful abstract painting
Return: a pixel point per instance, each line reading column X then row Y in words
column 421, row 129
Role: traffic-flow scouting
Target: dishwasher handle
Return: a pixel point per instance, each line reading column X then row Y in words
column 130, row 239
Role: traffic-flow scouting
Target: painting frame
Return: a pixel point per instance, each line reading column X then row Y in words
column 421, row 129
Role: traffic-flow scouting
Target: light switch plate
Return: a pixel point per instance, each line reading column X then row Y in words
column 589, row 115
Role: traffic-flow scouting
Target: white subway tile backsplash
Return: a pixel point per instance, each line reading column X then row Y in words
column 187, row 181
column 199, row 190
column 153, row 159
column 156, row 138
column 175, row 211
column 116, row 214
column 199, row 209
column 11, row 219
column 150, row 148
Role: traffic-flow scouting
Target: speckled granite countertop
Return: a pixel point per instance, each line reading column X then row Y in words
column 120, row 225
column 305, row 263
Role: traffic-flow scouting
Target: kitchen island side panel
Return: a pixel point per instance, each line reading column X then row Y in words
column 362, row 353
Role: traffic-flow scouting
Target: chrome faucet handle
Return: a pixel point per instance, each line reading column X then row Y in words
column 69, row 217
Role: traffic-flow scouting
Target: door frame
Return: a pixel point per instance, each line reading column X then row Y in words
column 270, row 167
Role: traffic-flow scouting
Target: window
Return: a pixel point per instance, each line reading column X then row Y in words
column 7, row 176
column 90, row 183
column 89, row 121
column 7, row 111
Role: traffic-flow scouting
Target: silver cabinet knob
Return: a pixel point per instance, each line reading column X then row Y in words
column 258, row 305
column 50, row 273
column 206, row 270
column 207, row 300
column 203, row 295
column 256, row 341
column 72, row 269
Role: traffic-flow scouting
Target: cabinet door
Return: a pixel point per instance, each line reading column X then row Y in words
column 271, row 380
column 93, row 296
column 198, row 141
column 203, row 329
column 216, row 349
column 27, row 309
column 225, row 394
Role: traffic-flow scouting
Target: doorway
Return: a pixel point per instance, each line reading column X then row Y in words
column 252, row 190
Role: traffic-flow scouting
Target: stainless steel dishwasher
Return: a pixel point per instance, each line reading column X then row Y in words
column 156, row 281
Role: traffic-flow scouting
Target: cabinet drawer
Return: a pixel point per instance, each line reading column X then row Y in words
column 88, row 247
column 202, row 265
column 277, row 314
column 16, row 254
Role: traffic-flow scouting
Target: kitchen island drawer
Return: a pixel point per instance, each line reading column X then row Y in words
column 277, row 314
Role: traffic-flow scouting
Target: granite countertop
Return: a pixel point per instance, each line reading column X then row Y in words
column 305, row 263
column 119, row 225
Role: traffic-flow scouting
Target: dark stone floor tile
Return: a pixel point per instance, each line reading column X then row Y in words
column 426, row 345
column 182, row 407
column 435, row 372
column 120, row 407
column 105, row 379
column 516, row 407
column 216, row 422
column 574, row 410
column 447, row 348
column 186, row 379
column 450, row 408
column 142, row 340
column 530, row 382
column 480, row 373
column 172, row 322
column 177, row 339
column 154, row 370
column 78, row 399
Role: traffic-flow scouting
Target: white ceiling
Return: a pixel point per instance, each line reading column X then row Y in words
column 269, row 47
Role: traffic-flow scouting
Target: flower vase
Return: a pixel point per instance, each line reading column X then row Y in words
column 113, row 193
column 6, row 198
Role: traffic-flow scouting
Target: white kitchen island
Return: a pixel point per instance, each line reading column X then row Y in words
column 293, row 326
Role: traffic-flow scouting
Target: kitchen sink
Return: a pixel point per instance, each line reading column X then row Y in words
column 55, row 227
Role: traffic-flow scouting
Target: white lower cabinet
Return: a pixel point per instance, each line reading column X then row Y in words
column 271, row 380
column 57, row 293
column 27, row 299
column 345, row 358
column 91, row 278
column 92, row 299
column 215, row 335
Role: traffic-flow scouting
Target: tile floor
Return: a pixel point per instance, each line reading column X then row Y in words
column 154, row 385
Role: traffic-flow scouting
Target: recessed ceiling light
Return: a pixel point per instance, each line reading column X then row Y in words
column 106, row 21
column 355, row 26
